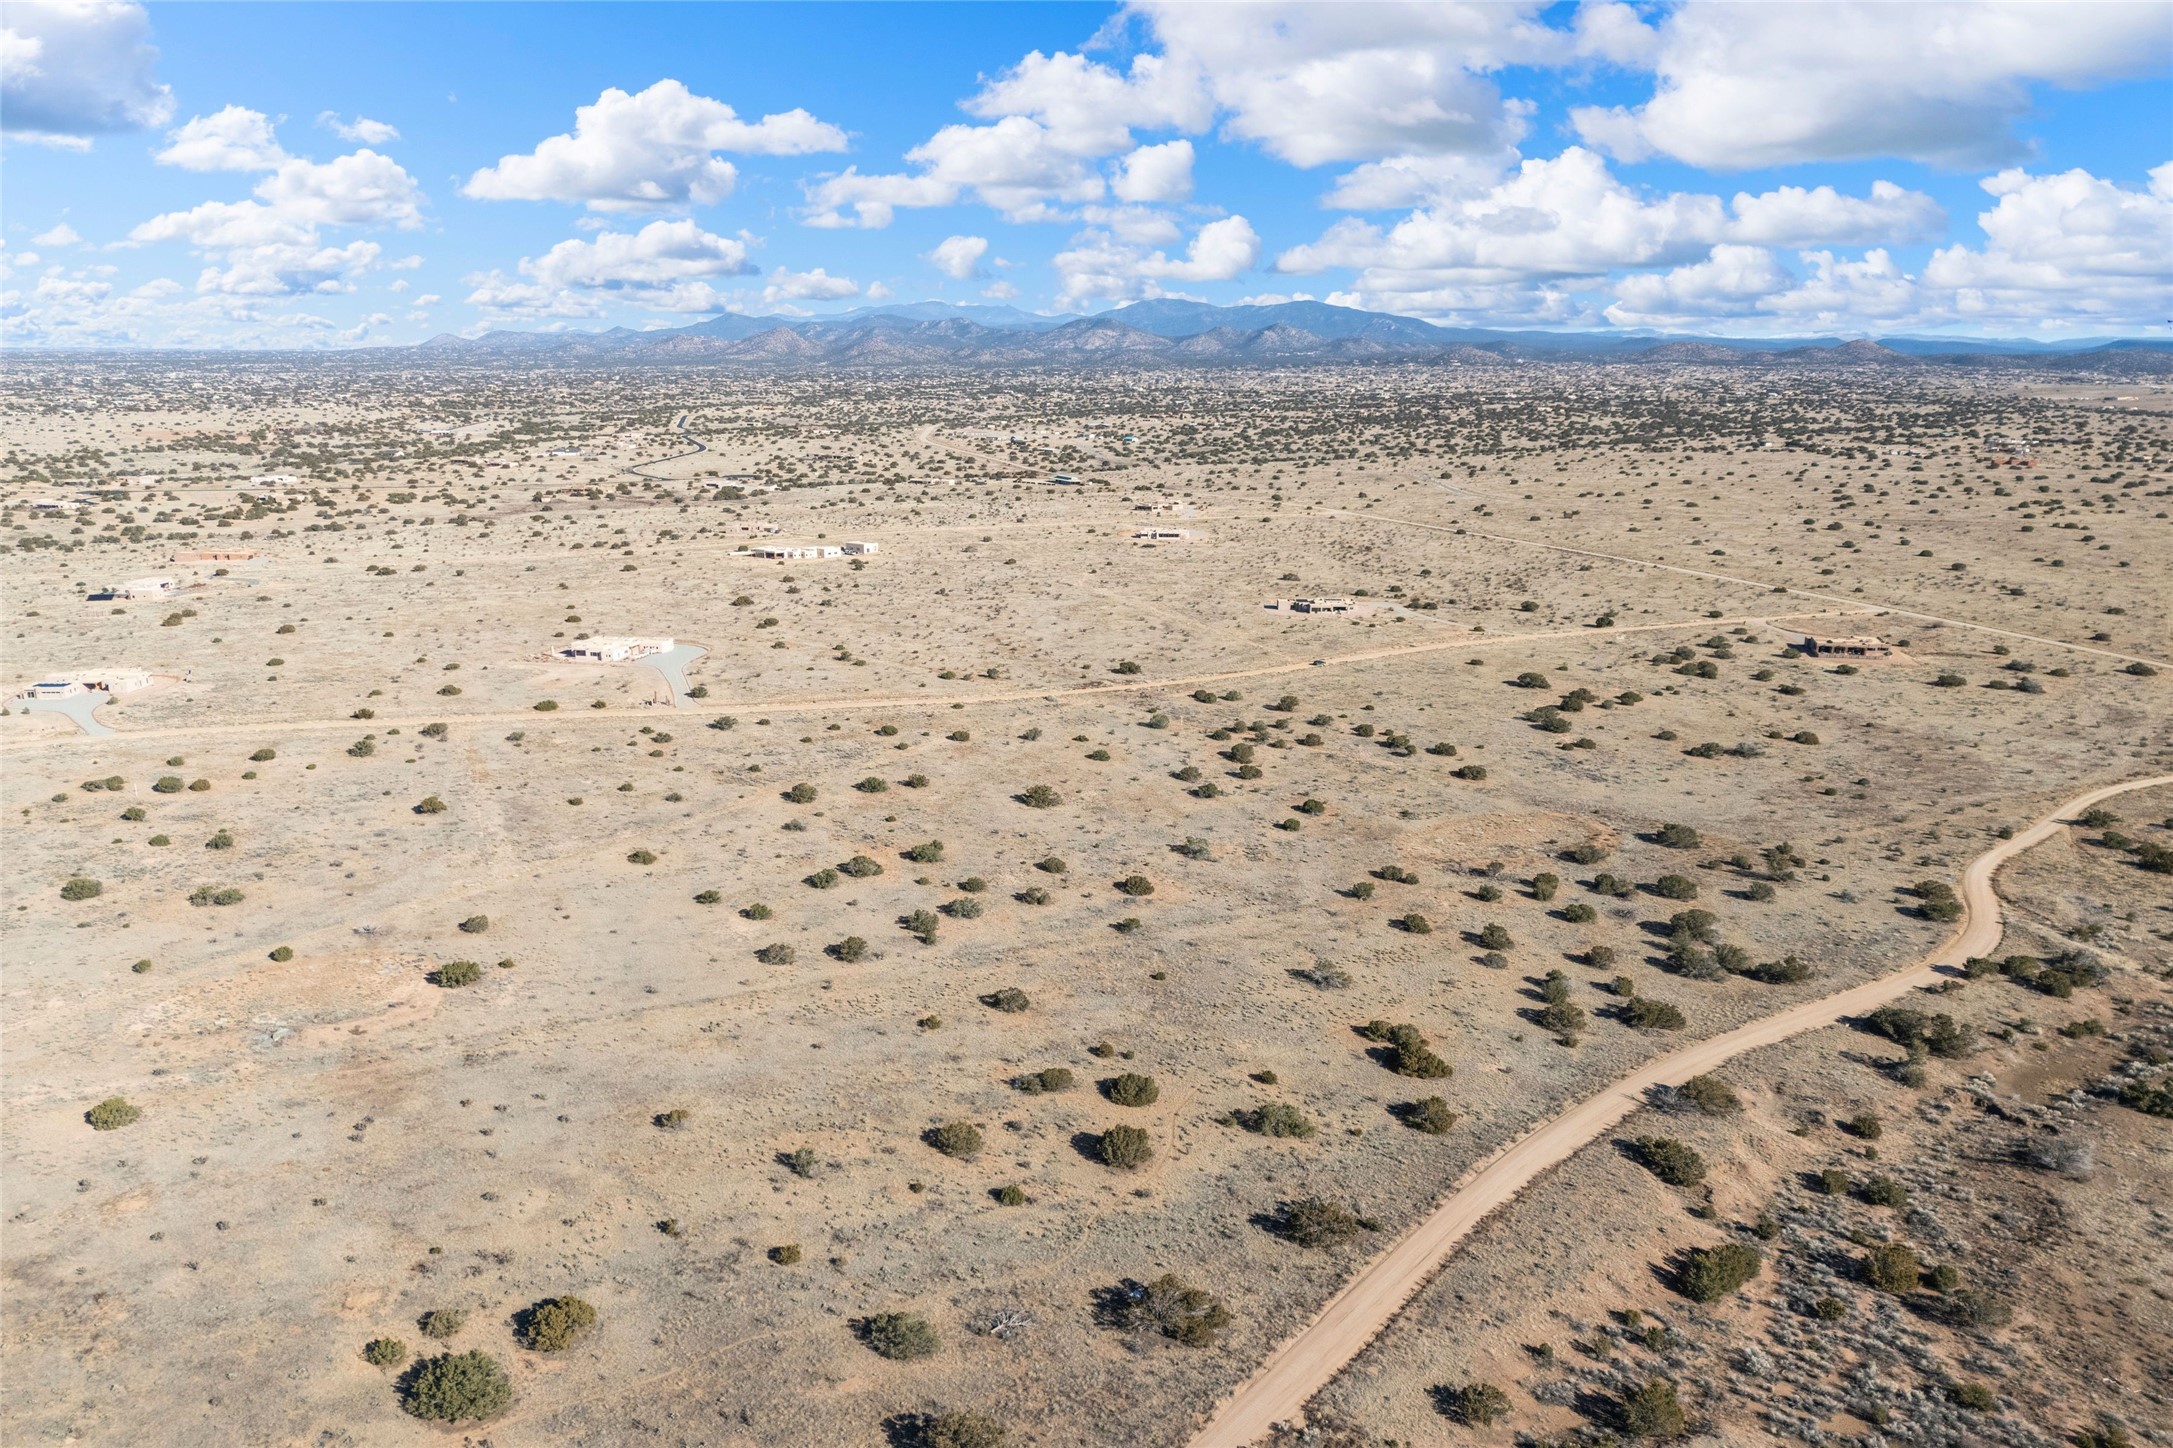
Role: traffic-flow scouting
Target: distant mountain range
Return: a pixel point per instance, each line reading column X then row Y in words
column 1180, row 333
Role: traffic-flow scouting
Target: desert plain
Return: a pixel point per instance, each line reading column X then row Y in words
column 1012, row 918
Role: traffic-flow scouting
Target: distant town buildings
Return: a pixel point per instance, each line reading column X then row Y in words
column 141, row 588
column 615, row 650
column 274, row 480
column 215, row 555
column 1064, row 480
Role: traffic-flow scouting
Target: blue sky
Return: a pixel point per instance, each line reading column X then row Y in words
column 330, row 174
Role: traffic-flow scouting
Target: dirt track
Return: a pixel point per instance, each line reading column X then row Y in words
column 1279, row 1390
column 809, row 706
column 1855, row 605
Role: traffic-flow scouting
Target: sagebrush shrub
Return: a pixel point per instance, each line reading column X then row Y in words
column 457, row 1388
column 112, row 1114
column 1125, row 1147
column 900, row 1336
column 556, row 1323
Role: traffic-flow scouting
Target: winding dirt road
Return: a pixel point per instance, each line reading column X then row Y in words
column 1279, row 1390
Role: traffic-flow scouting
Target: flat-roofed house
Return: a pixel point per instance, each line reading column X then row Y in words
column 614, row 650
column 1839, row 646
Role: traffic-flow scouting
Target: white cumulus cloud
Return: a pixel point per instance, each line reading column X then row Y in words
column 72, row 71
column 274, row 243
column 666, row 266
column 1942, row 81
column 654, row 150
column 816, row 285
column 959, row 257
column 1155, row 173
column 361, row 130
column 1100, row 266
column 232, row 139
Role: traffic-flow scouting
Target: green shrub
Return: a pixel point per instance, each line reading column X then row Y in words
column 801, row 793
column 1884, row 1191
column 1710, row 1095
column 1480, row 1405
column 1011, row 1196
column 963, row 1428
column 1653, row 1411
column 1672, row 1161
column 1865, row 1126
column 756, row 911
column 1496, row 937
column 1939, row 1034
column 1892, row 1267
column 1125, row 1147
column 899, row 1336
column 641, row 857
column 1675, row 887
column 928, row 852
column 1172, row 1307
column 776, row 953
column 850, row 949
column 1429, row 1114
column 555, row 1324
column 1708, row 1274
column 1316, row 1222
column 873, row 784
column 675, row 1119
column 860, row 867
column 457, row 1388
column 957, row 1139
column 1010, row 1000
column 430, row 804
column 168, row 784
column 1936, row 900
column 282, row 954
column 921, row 924
column 1416, row 924
column 787, row 1255
column 1038, row 1083
column 1408, row 1053
column 1133, row 1089
column 964, row 908
column 1650, row 1015
column 81, row 887
column 1564, row 1019
column 456, row 973
column 1040, row 796
column 112, row 1114
column 475, row 925
column 1277, row 1118
column 441, row 1323
column 384, row 1352
column 215, row 895
column 1135, row 885
column 260, row 757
